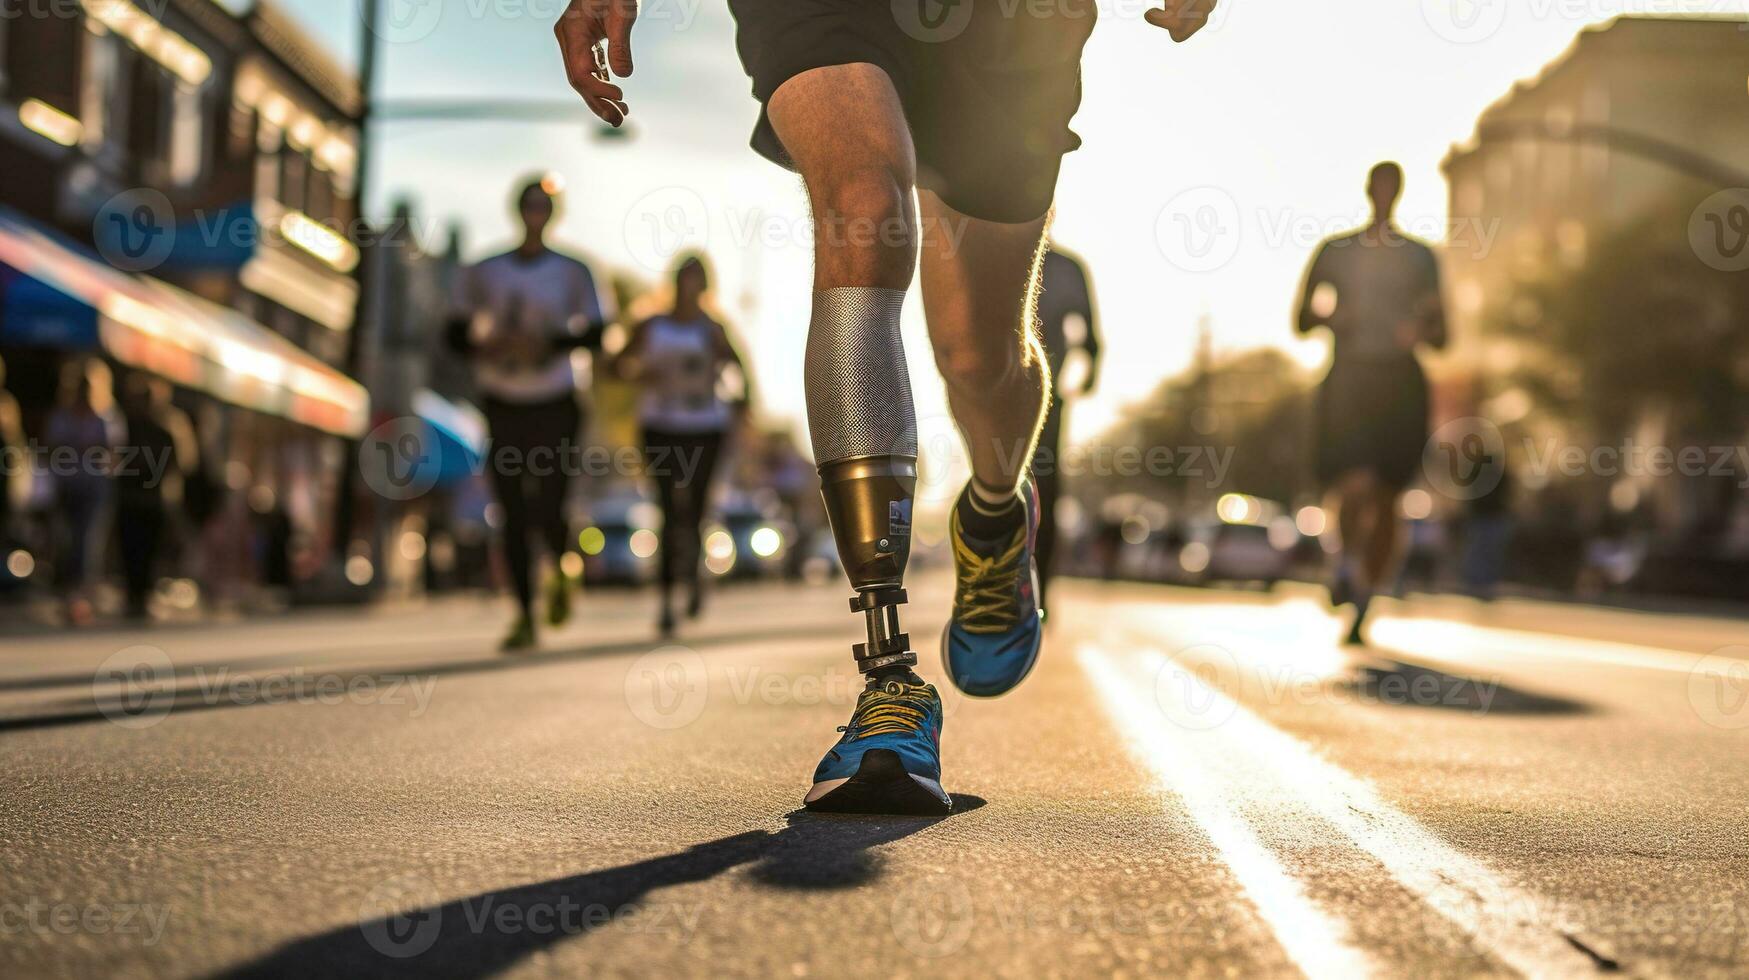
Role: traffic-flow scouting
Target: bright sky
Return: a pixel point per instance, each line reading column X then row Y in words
column 1261, row 128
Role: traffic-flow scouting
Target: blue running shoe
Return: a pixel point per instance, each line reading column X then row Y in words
column 992, row 641
column 889, row 760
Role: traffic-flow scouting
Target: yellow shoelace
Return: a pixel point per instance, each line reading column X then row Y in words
column 885, row 712
column 983, row 600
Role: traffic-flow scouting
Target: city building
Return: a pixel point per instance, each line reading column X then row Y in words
column 179, row 198
column 1586, row 316
column 1617, row 127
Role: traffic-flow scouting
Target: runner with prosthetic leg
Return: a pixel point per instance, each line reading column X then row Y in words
column 928, row 150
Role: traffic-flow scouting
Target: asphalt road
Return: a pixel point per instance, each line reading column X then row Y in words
column 1195, row 783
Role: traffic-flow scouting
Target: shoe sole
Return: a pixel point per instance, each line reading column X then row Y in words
column 880, row 785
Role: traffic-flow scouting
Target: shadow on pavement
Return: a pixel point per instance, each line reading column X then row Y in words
column 1379, row 679
column 239, row 685
column 491, row 932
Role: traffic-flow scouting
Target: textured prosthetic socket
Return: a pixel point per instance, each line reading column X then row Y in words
column 864, row 432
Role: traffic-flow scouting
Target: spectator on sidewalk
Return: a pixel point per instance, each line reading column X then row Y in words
column 82, row 433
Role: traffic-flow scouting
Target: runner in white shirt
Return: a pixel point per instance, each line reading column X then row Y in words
column 524, row 320
column 679, row 360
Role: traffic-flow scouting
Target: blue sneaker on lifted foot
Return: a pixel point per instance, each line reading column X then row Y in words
column 992, row 641
column 889, row 760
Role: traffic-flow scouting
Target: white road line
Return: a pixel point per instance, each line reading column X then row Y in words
column 1318, row 944
column 1516, row 927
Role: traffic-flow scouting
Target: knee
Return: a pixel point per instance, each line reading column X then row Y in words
column 974, row 358
column 865, row 206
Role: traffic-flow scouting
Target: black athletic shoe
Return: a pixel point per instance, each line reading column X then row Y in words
column 1362, row 604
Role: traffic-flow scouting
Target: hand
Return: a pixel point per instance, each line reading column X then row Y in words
column 581, row 31
column 1181, row 18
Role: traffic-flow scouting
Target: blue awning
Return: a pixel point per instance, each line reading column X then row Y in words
column 458, row 434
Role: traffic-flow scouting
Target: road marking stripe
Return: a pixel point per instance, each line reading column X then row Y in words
column 1318, row 944
column 1500, row 918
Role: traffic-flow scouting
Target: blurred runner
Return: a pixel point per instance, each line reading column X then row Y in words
column 159, row 452
column 678, row 359
column 933, row 132
column 1377, row 290
column 1067, row 323
column 82, row 432
column 519, row 318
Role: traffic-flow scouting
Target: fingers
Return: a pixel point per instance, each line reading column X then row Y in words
column 579, row 30
column 1181, row 18
column 619, row 36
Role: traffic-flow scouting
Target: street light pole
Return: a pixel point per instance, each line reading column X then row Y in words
column 370, row 13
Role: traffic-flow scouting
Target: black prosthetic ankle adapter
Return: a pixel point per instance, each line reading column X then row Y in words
column 886, row 647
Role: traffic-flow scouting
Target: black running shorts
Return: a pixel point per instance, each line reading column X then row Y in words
column 988, row 86
column 1373, row 416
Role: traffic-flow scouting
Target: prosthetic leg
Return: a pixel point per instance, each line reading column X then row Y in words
column 864, row 432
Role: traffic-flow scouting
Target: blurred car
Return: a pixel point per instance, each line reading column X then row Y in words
column 1249, row 540
column 619, row 544
column 747, row 543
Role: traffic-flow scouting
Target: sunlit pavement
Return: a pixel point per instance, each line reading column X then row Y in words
column 1193, row 783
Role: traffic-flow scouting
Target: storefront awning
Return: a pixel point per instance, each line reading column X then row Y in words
column 55, row 294
column 458, row 436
